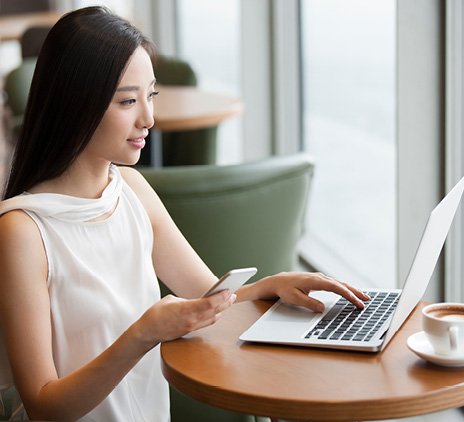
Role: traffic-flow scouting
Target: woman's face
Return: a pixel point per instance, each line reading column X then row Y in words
column 121, row 134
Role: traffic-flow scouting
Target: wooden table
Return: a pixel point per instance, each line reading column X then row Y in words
column 305, row 384
column 12, row 27
column 184, row 108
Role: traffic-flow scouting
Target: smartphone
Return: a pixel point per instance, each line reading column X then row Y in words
column 232, row 280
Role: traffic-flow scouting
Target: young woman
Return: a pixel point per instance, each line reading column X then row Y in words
column 82, row 240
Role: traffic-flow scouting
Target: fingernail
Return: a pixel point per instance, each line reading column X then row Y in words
column 320, row 307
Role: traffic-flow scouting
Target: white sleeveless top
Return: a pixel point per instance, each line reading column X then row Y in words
column 100, row 280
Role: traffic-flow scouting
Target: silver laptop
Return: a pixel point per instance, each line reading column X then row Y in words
column 341, row 325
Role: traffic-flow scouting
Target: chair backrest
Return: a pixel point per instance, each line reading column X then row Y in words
column 174, row 71
column 17, row 86
column 240, row 215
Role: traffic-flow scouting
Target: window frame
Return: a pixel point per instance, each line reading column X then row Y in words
column 454, row 271
column 420, row 128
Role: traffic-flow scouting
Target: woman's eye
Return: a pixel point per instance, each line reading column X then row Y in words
column 152, row 95
column 127, row 102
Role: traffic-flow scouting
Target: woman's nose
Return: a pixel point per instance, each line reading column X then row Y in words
column 146, row 119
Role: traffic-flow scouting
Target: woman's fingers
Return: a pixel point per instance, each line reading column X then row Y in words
column 302, row 299
column 214, row 305
column 351, row 293
column 191, row 315
column 173, row 317
column 297, row 287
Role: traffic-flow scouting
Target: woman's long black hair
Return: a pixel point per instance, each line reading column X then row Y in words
column 77, row 73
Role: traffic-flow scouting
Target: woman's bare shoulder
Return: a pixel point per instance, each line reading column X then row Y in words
column 21, row 243
column 128, row 172
column 17, row 224
column 133, row 177
column 146, row 194
column 138, row 184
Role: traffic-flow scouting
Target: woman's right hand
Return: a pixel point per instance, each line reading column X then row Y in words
column 172, row 317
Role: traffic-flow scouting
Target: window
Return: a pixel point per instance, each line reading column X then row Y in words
column 348, row 75
column 372, row 98
column 208, row 38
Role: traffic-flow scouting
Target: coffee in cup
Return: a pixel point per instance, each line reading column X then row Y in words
column 443, row 323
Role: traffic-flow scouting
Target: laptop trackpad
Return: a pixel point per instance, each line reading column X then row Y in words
column 289, row 313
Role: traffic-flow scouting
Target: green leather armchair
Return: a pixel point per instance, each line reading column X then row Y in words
column 17, row 85
column 244, row 215
column 235, row 216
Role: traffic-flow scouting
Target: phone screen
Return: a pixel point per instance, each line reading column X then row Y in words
column 232, row 281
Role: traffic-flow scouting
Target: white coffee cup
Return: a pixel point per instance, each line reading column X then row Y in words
column 443, row 323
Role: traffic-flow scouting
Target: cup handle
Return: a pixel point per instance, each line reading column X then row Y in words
column 453, row 332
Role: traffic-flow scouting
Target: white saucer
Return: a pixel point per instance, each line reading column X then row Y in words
column 420, row 345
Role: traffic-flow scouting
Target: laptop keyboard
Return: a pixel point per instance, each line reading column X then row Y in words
column 346, row 322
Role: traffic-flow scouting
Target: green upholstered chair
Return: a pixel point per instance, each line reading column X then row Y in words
column 7, row 400
column 8, row 397
column 241, row 215
column 174, row 71
column 17, row 85
column 186, row 147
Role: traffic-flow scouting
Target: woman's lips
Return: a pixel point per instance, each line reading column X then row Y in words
column 137, row 143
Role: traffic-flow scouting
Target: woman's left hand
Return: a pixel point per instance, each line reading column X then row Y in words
column 294, row 288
